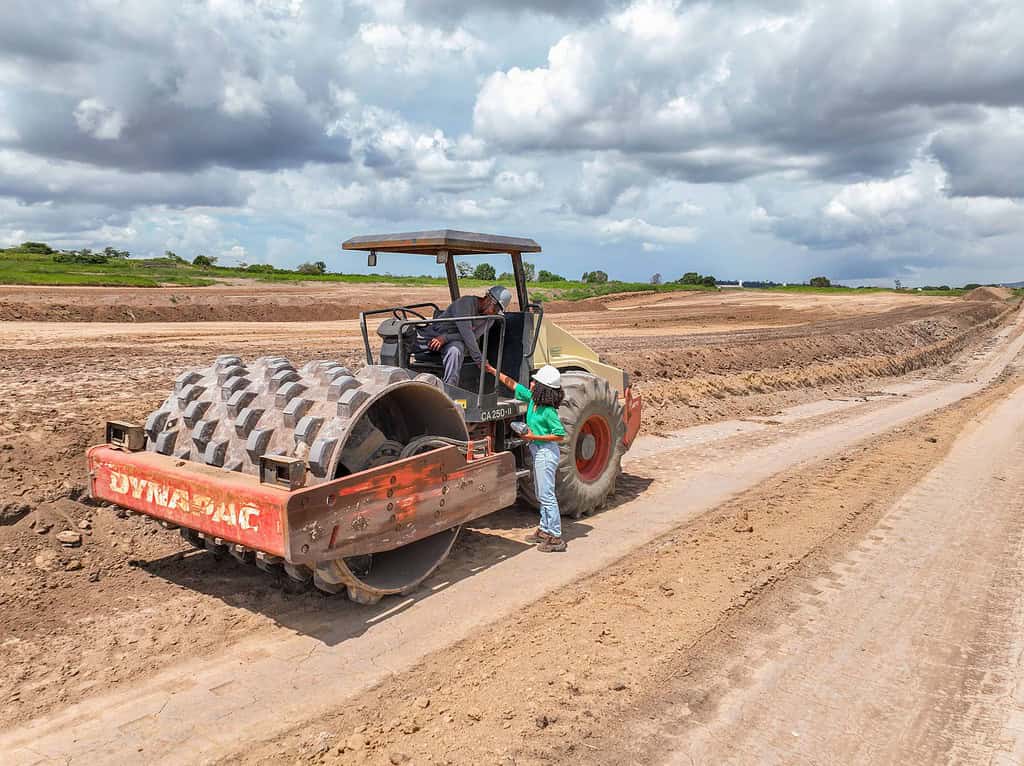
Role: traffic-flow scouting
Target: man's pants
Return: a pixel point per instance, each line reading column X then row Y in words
column 545, row 467
column 452, row 354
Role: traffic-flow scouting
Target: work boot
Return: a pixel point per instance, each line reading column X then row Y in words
column 552, row 545
column 538, row 536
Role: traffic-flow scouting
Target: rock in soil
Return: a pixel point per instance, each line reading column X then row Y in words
column 47, row 561
column 69, row 539
column 14, row 512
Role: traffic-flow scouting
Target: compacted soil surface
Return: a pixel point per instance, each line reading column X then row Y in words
column 95, row 600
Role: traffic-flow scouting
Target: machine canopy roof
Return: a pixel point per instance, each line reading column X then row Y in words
column 433, row 242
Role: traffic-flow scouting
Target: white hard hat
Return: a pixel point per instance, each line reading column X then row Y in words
column 549, row 376
column 501, row 296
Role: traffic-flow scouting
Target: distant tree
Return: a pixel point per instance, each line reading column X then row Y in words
column 321, row 266
column 530, row 270
column 595, row 277
column 821, row 282
column 971, row 286
column 112, row 252
column 204, row 261
column 36, row 247
column 260, row 268
column 506, row 276
column 656, row 279
column 312, row 268
column 464, row 269
column 170, row 254
column 690, row 278
column 549, row 276
column 708, row 281
column 484, row 271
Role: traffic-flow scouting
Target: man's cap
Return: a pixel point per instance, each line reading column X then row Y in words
column 501, row 296
column 549, row 376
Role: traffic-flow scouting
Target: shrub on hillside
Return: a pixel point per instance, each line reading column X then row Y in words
column 547, row 276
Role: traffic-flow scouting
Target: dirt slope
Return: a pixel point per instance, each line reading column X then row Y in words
column 989, row 294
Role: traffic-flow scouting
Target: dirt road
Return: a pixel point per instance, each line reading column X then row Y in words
column 908, row 649
column 131, row 642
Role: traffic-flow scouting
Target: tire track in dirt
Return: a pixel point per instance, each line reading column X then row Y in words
column 904, row 651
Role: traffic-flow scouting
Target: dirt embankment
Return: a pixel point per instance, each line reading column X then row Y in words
column 702, row 378
column 989, row 294
column 253, row 302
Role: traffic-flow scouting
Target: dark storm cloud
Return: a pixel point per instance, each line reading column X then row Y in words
column 175, row 88
column 983, row 161
column 165, row 135
column 33, row 183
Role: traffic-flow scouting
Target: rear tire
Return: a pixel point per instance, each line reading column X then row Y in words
column 591, row 454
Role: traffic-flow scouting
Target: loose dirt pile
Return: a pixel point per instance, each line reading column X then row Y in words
column 128, row 597
column 989, row 294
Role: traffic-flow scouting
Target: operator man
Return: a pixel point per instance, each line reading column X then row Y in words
column 453, row 340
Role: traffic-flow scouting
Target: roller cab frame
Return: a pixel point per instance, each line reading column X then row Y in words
column 522, row 343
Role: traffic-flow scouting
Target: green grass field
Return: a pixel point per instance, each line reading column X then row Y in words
column 20, row 267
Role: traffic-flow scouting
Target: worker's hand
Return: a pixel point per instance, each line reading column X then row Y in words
column 435, row 344
column 490, row 368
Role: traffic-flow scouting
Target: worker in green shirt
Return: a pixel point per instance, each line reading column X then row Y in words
column 545, row 432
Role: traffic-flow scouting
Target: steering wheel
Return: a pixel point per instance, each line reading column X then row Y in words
column 405, row 314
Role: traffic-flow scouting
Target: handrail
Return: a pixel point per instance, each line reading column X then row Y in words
column 500, row 319
column 392, row 310
column 536, row 330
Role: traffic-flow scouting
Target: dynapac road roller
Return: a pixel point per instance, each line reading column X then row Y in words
column 359, row 481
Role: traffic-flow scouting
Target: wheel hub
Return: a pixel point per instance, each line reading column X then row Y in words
column 593, row 448
column 587, row 446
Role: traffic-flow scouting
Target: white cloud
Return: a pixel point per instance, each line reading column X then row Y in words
column 98, row 120
column 639, row 229
column 242, row 96
column 512, row 185
column 411, row 48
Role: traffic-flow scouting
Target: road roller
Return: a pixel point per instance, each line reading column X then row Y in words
column 358, row 481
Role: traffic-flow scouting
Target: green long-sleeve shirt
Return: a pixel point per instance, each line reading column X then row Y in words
column 541, row 420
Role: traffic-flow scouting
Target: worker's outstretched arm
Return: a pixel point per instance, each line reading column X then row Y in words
column 506, row 381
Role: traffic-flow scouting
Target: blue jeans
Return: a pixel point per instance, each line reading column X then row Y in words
column 452, row 353
column 545, row 465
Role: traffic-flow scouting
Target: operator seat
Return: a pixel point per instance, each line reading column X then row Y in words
column 388, row 330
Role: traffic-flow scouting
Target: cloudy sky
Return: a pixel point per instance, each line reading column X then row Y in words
column 779, row 139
